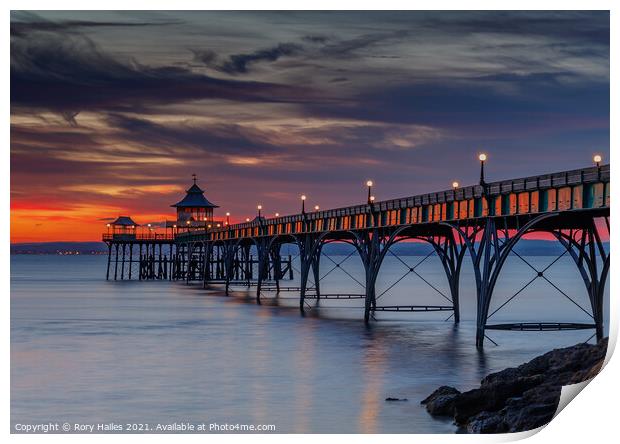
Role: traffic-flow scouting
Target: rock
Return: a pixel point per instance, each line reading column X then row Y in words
column 441, row 401
column 520, row 398
column 491, row 397
column 441, row 391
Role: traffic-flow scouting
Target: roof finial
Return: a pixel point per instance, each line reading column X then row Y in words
column 194, row 177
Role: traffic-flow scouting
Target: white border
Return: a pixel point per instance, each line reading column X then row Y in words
column 593, row 417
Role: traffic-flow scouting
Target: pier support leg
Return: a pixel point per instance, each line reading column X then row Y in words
column 488, row 257
column 316, row 261
column 130, row 259
column 107, row 273
column 308, row 246
column 262, row 253
column 116, row 261
column 451, row 254
column 588, row 252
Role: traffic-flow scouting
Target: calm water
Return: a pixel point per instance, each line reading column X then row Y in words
column 86, row 350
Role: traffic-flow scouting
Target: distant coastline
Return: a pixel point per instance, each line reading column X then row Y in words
column 527, row 247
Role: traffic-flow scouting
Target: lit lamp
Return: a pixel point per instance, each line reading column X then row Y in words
column 316, row 208
column 227, row 218
column 371, row 199
column 482, row 157
column 303, row 204
column 455, row 185
column 369, row 185
column 247, row 219
column 260, row 207
column 597, row 160
column 108, row 225
column 277, row 214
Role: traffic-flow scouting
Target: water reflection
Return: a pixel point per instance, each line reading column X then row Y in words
column 93, row 351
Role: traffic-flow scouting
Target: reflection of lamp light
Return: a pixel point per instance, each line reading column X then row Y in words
column 369, row 185
column 597, row 159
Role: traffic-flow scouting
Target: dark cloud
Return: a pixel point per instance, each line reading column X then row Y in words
column 316, row 38
column 212, row 139
column 35, row 23
column 240, row 63
column 206, row 57
column 532, row 102
column 348, row 47
column 68, row 73
column 582, row 26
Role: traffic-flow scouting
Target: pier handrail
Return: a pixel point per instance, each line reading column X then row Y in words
column 531, row 183
column 138, row 236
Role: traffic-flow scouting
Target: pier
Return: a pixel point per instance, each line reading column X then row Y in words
column 484, row 221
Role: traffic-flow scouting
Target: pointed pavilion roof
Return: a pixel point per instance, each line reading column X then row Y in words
column 124, row 221
column 194, row 198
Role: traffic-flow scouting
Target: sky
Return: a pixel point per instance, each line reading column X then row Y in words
column 112, row 112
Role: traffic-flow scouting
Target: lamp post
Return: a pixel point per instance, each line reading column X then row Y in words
column 108, row 225
column 455, row 185
column 303, row 204
column 597, row 160
column 259, row 207
column 227, row 218
column 369, row 185
column 482, row 157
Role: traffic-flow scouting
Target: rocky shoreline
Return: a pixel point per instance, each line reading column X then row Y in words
column 521, row 398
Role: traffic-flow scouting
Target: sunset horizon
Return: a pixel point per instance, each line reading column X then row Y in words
column 120, row 117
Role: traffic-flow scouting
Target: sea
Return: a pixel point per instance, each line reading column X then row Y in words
column 144, row 354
